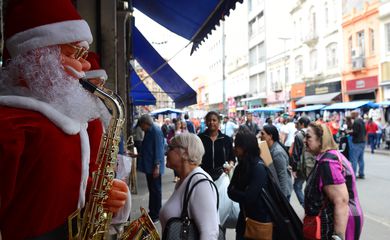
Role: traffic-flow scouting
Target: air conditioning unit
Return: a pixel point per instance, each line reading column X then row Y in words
column 358, row 63
column 356, row 52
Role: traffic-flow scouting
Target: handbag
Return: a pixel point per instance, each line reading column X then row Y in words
column 257, row 230
column 183, row 227
column 312, row 227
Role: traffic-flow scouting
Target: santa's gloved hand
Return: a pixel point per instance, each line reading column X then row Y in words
column 117, row 196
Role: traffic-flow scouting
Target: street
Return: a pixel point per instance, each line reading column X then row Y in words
column 373, row 192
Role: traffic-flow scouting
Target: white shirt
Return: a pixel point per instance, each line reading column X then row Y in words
column 289, row 129
column 202, row 206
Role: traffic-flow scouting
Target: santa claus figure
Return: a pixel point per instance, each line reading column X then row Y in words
column 50, row 126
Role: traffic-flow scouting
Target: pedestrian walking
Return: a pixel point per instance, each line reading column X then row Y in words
column 152, row 162
column 358, row 144
column 302, row 160
column 332, row 208
column 251, row 124
column 249, row 178
column 279, row 157
column 371, row 129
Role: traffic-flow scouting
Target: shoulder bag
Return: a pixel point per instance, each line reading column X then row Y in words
column 184, row 228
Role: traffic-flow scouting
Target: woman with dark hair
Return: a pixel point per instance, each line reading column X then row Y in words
column 249, row 177
column 218, row 148
column 330, row 192
column 280, row 158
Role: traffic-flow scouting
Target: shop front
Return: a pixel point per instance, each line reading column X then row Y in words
column 297, row 92
column 363, row 89
column 279, row 100
column 324, row 93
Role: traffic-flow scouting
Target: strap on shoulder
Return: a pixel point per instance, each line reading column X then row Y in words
column 188, row 192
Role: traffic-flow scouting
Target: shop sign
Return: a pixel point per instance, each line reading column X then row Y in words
column 324, row 88
column 298, row 90
column 368, row 83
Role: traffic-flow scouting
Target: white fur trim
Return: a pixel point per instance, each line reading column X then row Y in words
column 62, row 121
column 49, row 35
column 85, row 153
column 98, row 73
column 84, row 44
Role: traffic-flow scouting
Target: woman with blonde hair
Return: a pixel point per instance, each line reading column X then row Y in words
column 330, row 194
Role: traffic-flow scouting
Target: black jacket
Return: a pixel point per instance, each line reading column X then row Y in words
column 216, row 153
column 249, row 177
column 359, row 131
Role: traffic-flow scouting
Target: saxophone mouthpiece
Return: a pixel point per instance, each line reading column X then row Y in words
column 87, row 85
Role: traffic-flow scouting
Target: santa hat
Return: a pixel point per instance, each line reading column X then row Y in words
column 96, row 71
column 32, row 24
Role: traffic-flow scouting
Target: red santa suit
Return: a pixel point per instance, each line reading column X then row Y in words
column 42, row 153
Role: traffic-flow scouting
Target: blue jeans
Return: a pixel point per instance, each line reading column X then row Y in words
column 372, row 141
column 378, row 140
column 357, row 157
column 154, row 187
column 298, row 183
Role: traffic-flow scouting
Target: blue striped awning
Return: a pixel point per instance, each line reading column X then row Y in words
column 193, row 20
column 265, row 109
column 310, row 108
column 139, row 93
column 161, row 72
column 351, row 105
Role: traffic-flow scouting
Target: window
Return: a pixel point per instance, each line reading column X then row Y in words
column 256, row 25
column 313, row 60
column 331, row 55
column 261, row 53
column 298, row 66
column 350, row 47
column 257, row 54
column 312, row 21
column 286, row 74
column 326, row 12
column 253, row 84
column 387, row 35
column 253, row 56
column 360, row 43
column 372, row 41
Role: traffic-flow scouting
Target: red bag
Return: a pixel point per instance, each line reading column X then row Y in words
column 312, row 228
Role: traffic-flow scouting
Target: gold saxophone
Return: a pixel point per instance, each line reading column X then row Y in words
column 95, row 221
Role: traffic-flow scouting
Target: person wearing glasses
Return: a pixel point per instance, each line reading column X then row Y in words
column 184, row 155
column 50, row 126
column 280, row 159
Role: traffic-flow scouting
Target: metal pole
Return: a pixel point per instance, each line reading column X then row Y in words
column 223, row 68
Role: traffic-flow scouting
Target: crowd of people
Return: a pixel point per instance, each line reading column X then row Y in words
column 302, row 151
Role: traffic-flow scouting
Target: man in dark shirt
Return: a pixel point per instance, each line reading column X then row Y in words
column 251, row 125
column 358, row 144
column 190, row 125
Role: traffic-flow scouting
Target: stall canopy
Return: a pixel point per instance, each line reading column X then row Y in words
column 193, row 20
column 310, row 108
column 384, row 103
column 165, row 111
column 160, row 71
column 265, row 109
column 351, row 105
column 318, row 99
column 139, row 93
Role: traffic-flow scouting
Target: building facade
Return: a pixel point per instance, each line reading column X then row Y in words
column 384, row 37
column 316, row 52
column 361, row 51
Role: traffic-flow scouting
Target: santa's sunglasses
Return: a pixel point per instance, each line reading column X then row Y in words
column 81, row 52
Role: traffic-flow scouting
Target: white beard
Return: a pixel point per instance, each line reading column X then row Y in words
column 46, row 80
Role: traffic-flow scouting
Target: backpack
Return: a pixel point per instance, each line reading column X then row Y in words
column 307, row 160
